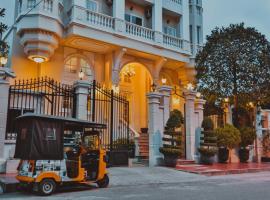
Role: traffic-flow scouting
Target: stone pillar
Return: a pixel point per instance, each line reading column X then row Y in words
column 227, row 113
column 199, row 103
column 185, row 21
column 154, row 119
column 165, row 90
column 259, row 134
column 4, row 93
column 119, row 15
column 81, row 90
column 190, row 127
column 157, row 19
column 4, row 88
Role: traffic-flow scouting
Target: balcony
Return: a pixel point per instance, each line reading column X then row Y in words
column 123, row 29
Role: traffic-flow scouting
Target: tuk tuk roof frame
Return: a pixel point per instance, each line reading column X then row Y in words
column 66, row 121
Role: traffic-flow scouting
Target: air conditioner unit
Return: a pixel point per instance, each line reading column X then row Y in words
column 109, row 2
column 148, row 12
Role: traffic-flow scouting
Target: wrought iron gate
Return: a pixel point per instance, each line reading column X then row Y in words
column 46, row 96
column 107, row 107
column 41, row 95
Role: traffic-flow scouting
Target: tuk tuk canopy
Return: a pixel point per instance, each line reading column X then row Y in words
column 41, row 137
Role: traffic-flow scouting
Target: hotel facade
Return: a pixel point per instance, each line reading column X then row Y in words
column 142, row 49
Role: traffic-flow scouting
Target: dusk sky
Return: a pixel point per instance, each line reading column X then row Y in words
column 255, row 13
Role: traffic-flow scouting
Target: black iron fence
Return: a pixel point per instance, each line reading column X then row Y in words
column 107, row 107
column 40, row 95
column 46, row 96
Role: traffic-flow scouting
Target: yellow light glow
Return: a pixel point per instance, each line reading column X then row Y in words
column 163, row 81
column 190, row 86
column 226, row 100
column 198, row 95
column 251, row 104
column 38, row 59
column 81, row 74
column 3, row 60
column 175, row 101
column 116, row 88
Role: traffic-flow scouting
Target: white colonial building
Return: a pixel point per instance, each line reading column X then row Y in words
column 127, row 45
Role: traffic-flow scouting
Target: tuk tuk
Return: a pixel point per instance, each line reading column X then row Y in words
column 55, row 150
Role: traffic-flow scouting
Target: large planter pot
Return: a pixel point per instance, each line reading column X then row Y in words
column 223, row 154
column 206, row 159
column 243, row 155
column 170, row 160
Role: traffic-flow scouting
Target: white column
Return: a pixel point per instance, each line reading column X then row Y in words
column 5, row 73
column 157, row 21
column 119, row 15
column 185, row 20
column 259, row 133
column 199, row 103
column 165, row 90
column 190, row 127
column 4, row 90
column 81, row 90
column 154, row 128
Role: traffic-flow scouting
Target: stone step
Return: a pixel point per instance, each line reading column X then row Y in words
column 185, row 162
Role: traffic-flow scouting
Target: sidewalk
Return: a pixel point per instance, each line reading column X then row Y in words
column 224, row 169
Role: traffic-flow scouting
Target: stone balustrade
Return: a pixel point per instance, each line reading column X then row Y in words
column 139, row 31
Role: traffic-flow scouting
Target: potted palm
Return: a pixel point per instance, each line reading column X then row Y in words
column 248, row 136
column 228, row 137
column 172, row 146
column 208, row 148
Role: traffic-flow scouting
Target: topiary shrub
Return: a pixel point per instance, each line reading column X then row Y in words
column 208, row 145
column 207, row 124
column 228, row 137
column 248, row 136
column 172, row 147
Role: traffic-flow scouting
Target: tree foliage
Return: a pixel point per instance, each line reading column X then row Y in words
column 228, row 136
column 3, row 27
column 235, row 63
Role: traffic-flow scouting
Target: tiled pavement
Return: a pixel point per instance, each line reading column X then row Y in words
column 224, row 169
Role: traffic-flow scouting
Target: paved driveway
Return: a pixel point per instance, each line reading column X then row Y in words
column 164, row 184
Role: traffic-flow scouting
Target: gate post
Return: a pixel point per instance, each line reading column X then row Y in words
column 154, row 115
column 190, row 96
column 81, row 91
column 165, row 90
column 4, row 98
column 199, row 103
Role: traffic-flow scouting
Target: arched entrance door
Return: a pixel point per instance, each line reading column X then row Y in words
column 135, row 83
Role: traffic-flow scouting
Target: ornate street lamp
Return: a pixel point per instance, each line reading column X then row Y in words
column 3, row 60
column 81, row 74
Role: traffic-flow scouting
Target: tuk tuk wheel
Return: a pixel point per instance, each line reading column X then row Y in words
column 46, row 187
column 104, row 182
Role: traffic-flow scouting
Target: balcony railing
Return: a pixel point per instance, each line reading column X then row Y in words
column 107, row 23
column 99, row 19
column 177, row 1
column 175, row 42
column 139, row 31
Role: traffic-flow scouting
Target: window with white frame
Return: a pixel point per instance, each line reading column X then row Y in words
column 92, row 5
column 31, row 3
column 72, row 68
column 169, row 30
column 134, row 19
column 48, row 5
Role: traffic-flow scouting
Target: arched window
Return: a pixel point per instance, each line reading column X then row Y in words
column 72, row 67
